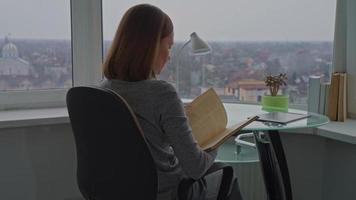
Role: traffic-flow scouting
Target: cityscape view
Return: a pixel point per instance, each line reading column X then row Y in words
column 27, row 64
column 235, row 70
column 249, row 40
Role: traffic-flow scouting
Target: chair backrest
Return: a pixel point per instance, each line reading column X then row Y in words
column 113, row 159
column 277, row 186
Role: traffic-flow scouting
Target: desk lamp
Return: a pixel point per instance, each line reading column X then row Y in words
column 199, row 47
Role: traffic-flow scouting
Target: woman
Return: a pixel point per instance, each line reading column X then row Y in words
column 139, row 51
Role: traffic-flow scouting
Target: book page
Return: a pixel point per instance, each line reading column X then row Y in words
column 207, row 116
column 218, row 139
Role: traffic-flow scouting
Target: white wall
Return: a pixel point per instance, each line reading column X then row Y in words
column 39, row 163
column 320, row 168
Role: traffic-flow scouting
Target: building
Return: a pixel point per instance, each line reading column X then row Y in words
column 10, row 62
column 247, row 90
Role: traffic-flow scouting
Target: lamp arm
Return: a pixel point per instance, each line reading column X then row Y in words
column 184, row 45
column 177, row 65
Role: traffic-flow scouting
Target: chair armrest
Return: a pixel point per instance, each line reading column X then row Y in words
column 226, row 181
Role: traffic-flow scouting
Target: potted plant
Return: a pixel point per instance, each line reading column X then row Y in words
column 274, row 101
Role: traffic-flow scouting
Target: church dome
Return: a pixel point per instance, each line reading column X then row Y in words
column 10, row 50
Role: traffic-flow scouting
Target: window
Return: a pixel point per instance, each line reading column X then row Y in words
column 35, row 53
column 35, row 45
column 249, row 39
column 56, row 34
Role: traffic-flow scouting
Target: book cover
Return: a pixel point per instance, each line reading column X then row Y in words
column 322, row 98
column 314, row 94
column 327, row 90
column 208, row 120
column 333, row 97
column 341, row 108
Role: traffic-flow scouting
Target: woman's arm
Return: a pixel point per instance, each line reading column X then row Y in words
column 193, row 160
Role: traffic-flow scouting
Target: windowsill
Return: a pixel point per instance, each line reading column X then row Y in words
column 33, row 117
column 340, row 131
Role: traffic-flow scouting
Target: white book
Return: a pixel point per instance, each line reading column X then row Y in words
column 314, row 94
column 322, row 98
column 327, row 89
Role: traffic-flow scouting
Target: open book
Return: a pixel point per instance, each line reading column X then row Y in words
column 208, row 120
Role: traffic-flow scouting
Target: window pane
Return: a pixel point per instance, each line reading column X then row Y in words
column 35, row 44
column 249, row 39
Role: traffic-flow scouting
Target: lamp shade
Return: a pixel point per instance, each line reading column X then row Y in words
column 199, row 46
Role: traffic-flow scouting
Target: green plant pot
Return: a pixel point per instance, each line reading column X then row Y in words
column 275, row 103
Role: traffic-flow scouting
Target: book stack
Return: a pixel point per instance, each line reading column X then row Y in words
column 336, row 101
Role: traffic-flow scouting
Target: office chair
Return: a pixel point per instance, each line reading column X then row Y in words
column 276, row 179
column 275, row 173
column 113, row 158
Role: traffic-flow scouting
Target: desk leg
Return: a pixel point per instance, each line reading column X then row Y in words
column 281, row 159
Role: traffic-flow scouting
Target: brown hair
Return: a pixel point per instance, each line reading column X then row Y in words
column 136, row 43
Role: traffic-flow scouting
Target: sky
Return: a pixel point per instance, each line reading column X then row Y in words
column 35, row 18
column 223, row 20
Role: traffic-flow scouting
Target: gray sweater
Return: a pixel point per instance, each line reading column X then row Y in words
column 161, row 114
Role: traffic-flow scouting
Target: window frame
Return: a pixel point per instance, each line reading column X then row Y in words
column 86, row 37
column 350, row 58
column 345, row 49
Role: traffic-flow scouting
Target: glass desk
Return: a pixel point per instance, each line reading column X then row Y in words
column 245, row 162
column 240, row 112
column 232, row 153
column 269, row 146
